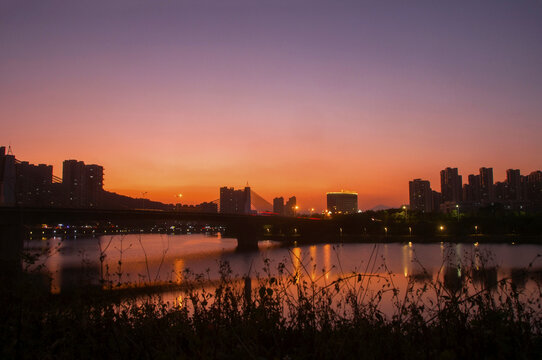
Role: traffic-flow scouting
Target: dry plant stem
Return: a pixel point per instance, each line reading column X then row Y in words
column 146, row 259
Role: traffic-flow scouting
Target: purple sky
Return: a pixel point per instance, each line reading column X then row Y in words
column 296, row 97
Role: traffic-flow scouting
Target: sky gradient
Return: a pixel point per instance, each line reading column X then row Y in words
column 295, row 97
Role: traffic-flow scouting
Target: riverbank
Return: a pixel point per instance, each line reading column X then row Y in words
column 286, row 317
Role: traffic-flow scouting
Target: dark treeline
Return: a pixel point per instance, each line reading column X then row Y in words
column 492, row 220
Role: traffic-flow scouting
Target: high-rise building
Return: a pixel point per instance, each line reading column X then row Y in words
column 534, row 190
column 94, row 191
column 471, row 191
column 290, row 208
column 73, row 181
column 513, row 182
column 7, row 178
column 437, row 200
column 33, row 186
column 342, row 202
column 487, row 191
column 500, row 191
column 234, row 201
column 278, row 205
column 421, row 195
column 516, row 192
column 451, row 185
column 82, row 183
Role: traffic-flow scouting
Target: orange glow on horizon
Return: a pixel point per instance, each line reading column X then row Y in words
column 180, row 98
column 384, row 183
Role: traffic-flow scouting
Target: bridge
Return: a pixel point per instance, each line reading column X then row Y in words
column 247, row 229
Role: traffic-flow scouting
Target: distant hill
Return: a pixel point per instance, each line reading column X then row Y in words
column 111, row 200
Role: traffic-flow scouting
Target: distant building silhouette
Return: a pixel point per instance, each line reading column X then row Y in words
column 83, row 184
column 451, row 185
column 437, row 200
column 343, row 202
column 516, row 192
column 278, row 205
column 290, row 208
column 534, row 190
column 421, row 195
column 513, row 182
column 205, row 207
column 500, row 193
column 25, row 184
column 234, row 201
column 7, row 178
column 33, row 184
column 487, row 191
column 471, row 191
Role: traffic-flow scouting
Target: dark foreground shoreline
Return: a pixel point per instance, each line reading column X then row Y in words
column 268, row 322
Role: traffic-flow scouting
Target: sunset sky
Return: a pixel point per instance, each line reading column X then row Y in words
column 296, row 97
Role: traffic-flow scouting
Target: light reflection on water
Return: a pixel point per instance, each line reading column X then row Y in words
column 160, row 258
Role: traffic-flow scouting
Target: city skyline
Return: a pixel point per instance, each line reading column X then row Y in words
column 304, row 97
column 453, row 190
column 517, row 192
column 271, row 178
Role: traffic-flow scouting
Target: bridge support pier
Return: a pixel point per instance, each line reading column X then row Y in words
column 247, row 236
column 247, row 241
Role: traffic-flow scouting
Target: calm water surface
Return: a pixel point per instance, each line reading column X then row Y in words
column 162, row 258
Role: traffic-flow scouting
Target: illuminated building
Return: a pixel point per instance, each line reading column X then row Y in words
column 343, row 202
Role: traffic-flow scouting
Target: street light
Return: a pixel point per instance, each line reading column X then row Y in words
column 179, row 196
column 457, row 208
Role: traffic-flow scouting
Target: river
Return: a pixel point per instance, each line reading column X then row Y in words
column 166, row 259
